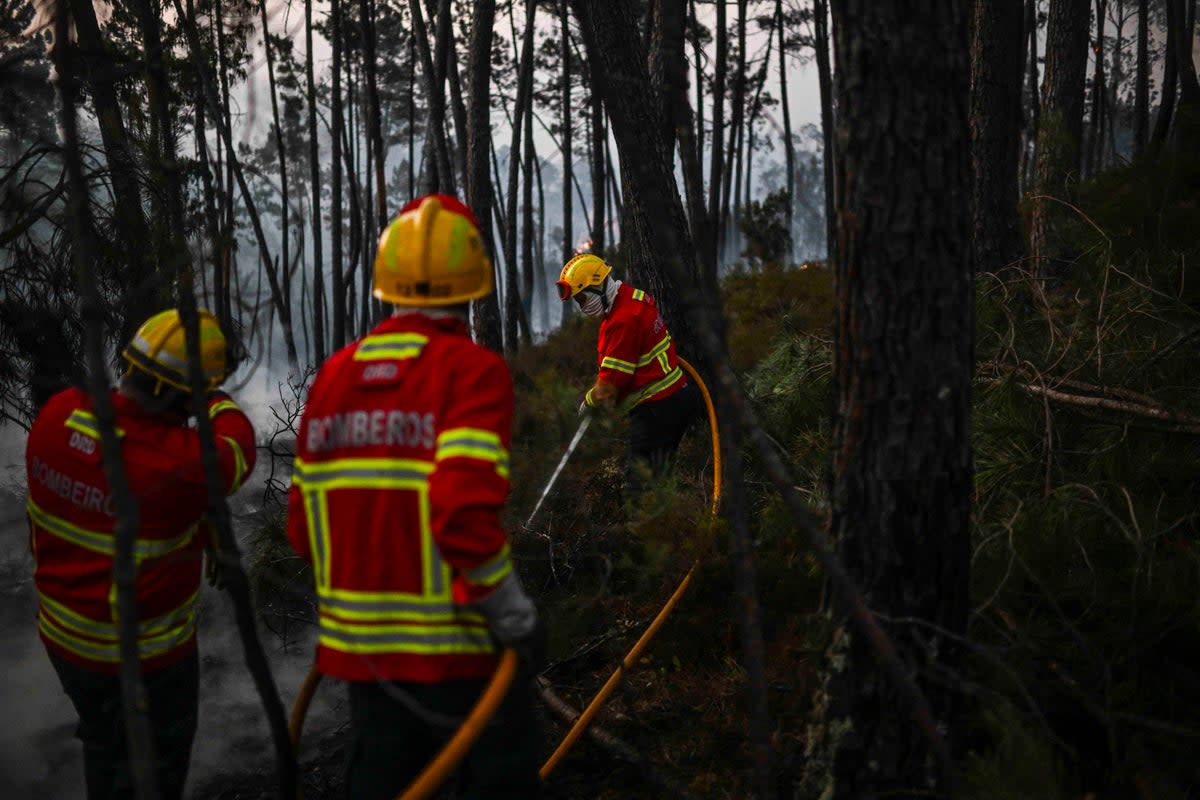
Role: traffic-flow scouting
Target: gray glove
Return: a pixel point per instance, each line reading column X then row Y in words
column 513, row 621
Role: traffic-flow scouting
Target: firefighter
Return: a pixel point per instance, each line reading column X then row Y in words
column 638, row 365
column 72, row 524
column 401, row 471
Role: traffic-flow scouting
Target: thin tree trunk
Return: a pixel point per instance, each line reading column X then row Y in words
column 568, row 245
column 338, row 334
column 726, row 223
column 1141, row 93
column 1186, row 135
column 1096, row 121
column 459, row 106
column 142, row 287
column 486, row 311
column 138, row 733
column 1061, row 129
column 789, row 150
column 1032, row 100
column 711, row 241
column 902, row 471
column 527, row 231
column 366, row 12
column 825, row 86
column 997, row 69
column 599, row 179
column 281, row 152
column 512, row 299
column 1170, row 81
column 281, row 302
column 435, row 129
column 314, row 163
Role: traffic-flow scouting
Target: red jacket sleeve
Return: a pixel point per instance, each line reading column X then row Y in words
column 619, row 351
column 234, row 437
column 469, row 484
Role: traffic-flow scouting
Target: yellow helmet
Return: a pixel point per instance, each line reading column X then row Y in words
column 432, row 255
column 579, row 273
column 160, row 350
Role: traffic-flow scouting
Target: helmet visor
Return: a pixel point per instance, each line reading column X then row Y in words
column 564, row 290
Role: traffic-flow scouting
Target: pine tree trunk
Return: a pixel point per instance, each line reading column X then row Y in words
column 997, row 69
column 366, row 12
column 314, row 166
column 599, row 179
column 1096, row 120
column 281, row 153
column 1032, row 101
column 1141, row 93
column 527, row 231
column 711, row 238
column 338, row 333
column 486, row 310
column 1060, row 132
column 789, row 150
column 568, row 244
column 1170, row 82
column 512, row 298
column 830, row 159
column 902, row 472
column 1186, row 136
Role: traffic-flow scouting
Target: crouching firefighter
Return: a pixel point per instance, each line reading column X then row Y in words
column 72, row 524
column 400, row 475
column 638, row 365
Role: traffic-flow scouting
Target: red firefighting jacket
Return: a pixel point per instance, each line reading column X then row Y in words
column 635, row 350
column 401, row 471
column 72, row 524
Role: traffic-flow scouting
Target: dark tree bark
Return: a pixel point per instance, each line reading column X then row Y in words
column 435, row 92
column 512, row 294
column 568, row 247
column 1181, row 32
column 143, row 287
column 663, row 261
column 138, row 733
column 314, row 167
column 1032, row 98
column 1061, row 129
column 997, row 67
column 599, row 179
column 1170, row 82
column 486, row 310
column 366, row 13
column 285, row 235
column 1096, row 120
column 726, row 223
column 1141, row 93
column 668, row 76
column 338, row 334
column 527, row 231
column 828, row 122
column 710, row 237
column 902, row 370
column 789, row 150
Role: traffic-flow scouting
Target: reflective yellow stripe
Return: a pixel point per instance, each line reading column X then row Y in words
column 239, row 460
column 362, row 473
column 224, row 405
column 615, row 363
column 639, row 294
column 473, row 443
column 665, row 382
column 655, row 352
column 102, row 541
column 100, row 639
column 86, row 423
column 587, row 398
column 417, row 639
column 492, row 571
column 390, row 346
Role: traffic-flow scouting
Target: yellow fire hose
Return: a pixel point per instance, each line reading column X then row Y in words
column 593, row 708
column 436, row 772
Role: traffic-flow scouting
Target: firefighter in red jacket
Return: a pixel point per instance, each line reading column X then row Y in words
column 638, row 365
column 72, row 525
column 401, row 471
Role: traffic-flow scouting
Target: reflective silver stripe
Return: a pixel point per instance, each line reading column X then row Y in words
column 72, row 620
column 86, row 423
column 100, row 651
column 492, row 570
column 366, row 606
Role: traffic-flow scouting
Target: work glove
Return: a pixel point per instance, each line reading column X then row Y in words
column 514, row 622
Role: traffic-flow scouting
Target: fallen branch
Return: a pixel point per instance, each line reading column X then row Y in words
column 611, row 744
column 1183, row 423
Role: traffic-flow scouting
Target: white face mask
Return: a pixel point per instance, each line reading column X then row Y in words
column 592, row 305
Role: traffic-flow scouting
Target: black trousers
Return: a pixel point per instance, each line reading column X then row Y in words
column 655, row 430
column 172, row 692
column 397, row 728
